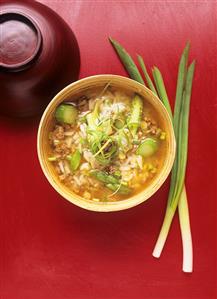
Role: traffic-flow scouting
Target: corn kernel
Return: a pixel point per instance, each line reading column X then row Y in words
column 162, row 136
column 122, row 156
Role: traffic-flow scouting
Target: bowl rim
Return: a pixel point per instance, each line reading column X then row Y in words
column 116, row 205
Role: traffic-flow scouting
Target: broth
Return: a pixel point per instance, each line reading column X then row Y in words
column 107, row 145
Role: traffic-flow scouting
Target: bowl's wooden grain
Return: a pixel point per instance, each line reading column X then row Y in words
column 76, row 89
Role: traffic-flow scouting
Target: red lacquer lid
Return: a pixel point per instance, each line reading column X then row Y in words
column 39, row 55
column 20, row 40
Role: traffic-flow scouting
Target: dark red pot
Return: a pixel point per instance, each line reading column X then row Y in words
column 39, row 55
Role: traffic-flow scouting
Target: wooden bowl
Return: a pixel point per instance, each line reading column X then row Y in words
column 73, row 91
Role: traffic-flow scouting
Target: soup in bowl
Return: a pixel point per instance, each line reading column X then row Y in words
column 106, row 143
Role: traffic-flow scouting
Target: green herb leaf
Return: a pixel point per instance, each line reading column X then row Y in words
column 183, row 134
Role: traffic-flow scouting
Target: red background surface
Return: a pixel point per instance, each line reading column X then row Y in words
column 52, row 249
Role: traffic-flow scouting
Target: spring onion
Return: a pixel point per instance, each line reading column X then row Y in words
column 179, row 169
column 147, row 77
column 185, row 232
column 161, row 89
column 177, row 194
column 183, row 132
column 179, row 166
column 127, row 61
column 182, row 204
column 176, row 121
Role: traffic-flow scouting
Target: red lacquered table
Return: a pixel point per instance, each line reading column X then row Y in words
column 51, row 249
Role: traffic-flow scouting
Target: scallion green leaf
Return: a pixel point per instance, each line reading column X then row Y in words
column 161, row 89
column 147, row 77
column 127, row 61
column 180, row 121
